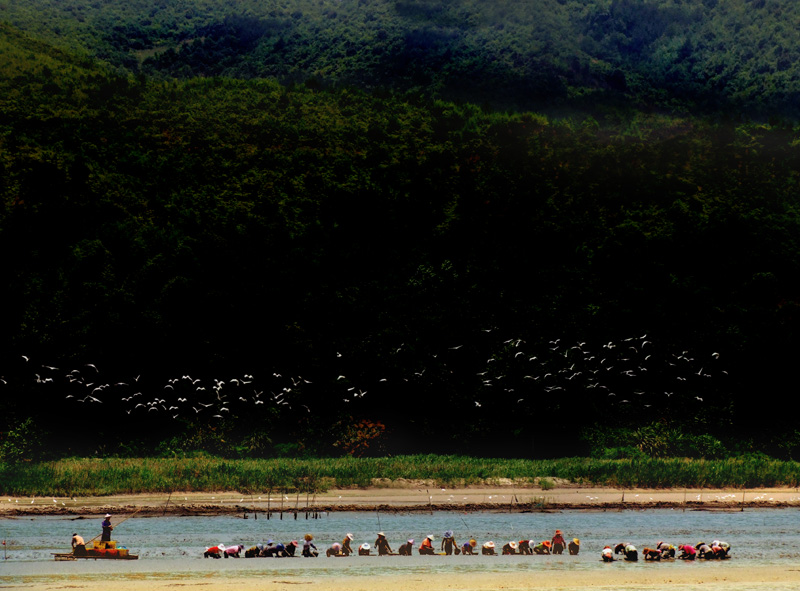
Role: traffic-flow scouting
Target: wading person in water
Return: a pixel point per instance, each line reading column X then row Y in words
column 346, row 549
column 558, row 542
column 449, row 543
column 574, row 547
column 382, row 545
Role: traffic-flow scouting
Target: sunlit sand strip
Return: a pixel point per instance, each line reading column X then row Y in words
column 655, row 578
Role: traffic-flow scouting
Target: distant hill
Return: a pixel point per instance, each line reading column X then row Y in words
column 729, row 56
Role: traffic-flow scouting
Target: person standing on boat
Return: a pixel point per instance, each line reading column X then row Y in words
column 78, row 545
column 107, row 527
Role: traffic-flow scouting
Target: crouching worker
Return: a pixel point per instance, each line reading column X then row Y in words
column 651, row 554
column 233, row 551
column 214, row 551
column 334, row 550
column 254, row 552
column 574, row 547
column 469, row 547
column 78, row 545
column 405, row 549
column 607, row 555
column 363, row 549
column 628, row 551
column 488, row 549
column 291, row 548
column 542, row 547
column 704, row 551
column 667, row 550
column 426, row 547
column 720, row 549
column 687, row 552
column 509, row 548
column 524, row 547
column 309, row 549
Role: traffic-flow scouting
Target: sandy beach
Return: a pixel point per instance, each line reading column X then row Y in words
column 651, row 578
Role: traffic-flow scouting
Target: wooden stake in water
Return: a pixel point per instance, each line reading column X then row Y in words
column 167, row 504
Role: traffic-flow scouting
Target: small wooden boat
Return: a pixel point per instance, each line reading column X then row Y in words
column 99, row 551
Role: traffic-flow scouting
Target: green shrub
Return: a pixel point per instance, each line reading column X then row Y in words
column 23, row 443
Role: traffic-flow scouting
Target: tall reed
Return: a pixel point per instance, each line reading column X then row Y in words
column 88, row 476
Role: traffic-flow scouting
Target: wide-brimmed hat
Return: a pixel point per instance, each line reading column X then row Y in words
column 430, row 537
column 349, row 536
column 448, row 533
column 512, row 544
column 577, row 541
column 546, row 542
column 489, row 544
column 365, row 546
column 381, row 534
column 411, row 541
column 108, row 514
column 308, row 537
column 293, row 542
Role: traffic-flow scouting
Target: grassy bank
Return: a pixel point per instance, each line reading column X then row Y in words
column 79, row 476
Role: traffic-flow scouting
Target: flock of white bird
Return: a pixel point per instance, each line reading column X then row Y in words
column 510, row 373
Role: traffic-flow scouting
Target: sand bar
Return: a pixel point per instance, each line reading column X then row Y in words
column 408, row 497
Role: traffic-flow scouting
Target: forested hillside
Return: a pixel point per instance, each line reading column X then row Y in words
column 392, row 227
column 718, row 56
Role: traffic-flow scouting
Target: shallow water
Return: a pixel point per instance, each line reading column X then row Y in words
column 769, row 537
